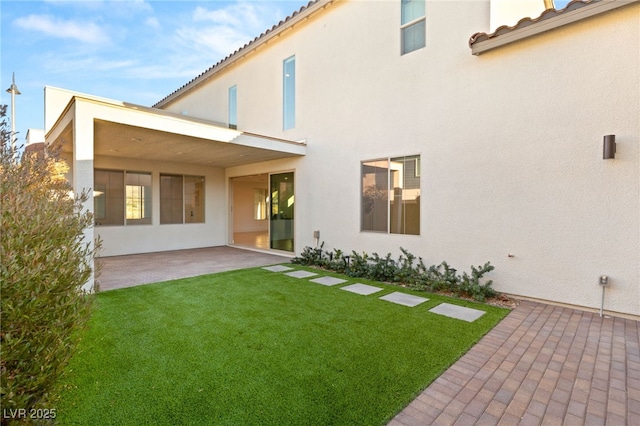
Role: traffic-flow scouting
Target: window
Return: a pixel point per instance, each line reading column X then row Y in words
column 390, row 199
column 181, row 199
column 193, row 199
column 413, row 25
column 289, row 93
column 121, row 198
column 108, row 197
column 260, row 204
column 138, row 198
column 375, row 195
column 233, row 107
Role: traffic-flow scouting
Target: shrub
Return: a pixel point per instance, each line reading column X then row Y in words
column 358, row 265
column 309, row 256
column 405, row 270
column 471, row 286
column 382, row 268
column 45, row 261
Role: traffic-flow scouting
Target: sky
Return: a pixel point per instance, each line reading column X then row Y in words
column 138, row 51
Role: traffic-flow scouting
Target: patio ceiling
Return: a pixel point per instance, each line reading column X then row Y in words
column 163, row 136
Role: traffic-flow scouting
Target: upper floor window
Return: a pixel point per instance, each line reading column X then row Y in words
column 289, row 93
column 233, row 107
column 390, row 199
column 413, row 25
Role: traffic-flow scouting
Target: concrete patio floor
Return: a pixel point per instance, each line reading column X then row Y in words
column 135, row 269
column 542, row 365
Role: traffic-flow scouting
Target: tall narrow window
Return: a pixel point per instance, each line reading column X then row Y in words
column 289, row 93
column 108, row 197
column 138, row 198
column 193, row 199
column 404, row 200
column 170, row 199
column 375, row 195
column 390, row 200
column 233, row 107
column 413, row 25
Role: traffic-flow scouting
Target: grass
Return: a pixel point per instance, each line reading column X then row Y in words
column 257, row 347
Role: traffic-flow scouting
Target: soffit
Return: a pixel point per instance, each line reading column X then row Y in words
column 125, row 141
column 167, row 137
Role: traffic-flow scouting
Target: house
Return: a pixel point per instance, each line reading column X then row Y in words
column 378, row 125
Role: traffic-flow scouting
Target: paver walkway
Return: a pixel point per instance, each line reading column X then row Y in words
column 542, row 365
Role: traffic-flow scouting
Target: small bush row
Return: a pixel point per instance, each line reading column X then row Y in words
column 407, row 269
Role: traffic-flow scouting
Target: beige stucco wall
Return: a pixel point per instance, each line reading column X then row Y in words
column 510, row 141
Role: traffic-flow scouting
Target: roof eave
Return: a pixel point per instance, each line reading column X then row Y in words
column 534, row 28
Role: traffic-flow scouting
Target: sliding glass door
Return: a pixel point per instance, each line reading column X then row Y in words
column 281, row 211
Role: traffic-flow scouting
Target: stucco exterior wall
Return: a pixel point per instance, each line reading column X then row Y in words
column 510, row 141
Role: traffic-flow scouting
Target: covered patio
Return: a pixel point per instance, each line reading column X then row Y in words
column 125, row 154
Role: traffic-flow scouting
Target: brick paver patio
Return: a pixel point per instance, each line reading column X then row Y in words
column 542, row 365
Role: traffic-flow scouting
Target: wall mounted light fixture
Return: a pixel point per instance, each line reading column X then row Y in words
column 609, row 147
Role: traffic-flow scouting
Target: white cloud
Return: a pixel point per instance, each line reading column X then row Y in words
column 86, row 32
column 81, row 65
column 152, row 22
column 219, row 32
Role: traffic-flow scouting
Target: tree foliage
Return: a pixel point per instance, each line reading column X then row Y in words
column 45, row 260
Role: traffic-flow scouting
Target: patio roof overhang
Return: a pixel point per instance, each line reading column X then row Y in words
column 124, row 130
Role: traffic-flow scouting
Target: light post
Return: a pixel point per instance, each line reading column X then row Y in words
column 14, row 91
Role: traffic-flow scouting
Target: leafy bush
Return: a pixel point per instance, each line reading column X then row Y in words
column 382, row 268
column 358, row 265
column 405, row 270
column 45, row 261
column 309, row 256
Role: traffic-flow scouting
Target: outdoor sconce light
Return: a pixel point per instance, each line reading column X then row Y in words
column 609, row 147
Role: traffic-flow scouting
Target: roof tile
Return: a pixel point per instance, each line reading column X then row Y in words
column 524, row 22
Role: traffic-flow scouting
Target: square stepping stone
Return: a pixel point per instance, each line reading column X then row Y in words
column 300, row 274
column 404, row 299
column 458, row 312
column 362, row 289
column 277, row 268
column 328, row 281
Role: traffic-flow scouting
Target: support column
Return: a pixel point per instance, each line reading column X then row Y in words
column 83, row 144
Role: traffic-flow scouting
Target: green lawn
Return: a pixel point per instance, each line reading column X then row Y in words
column 257, row 347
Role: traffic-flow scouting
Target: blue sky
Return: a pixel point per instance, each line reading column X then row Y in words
column 137, row 51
